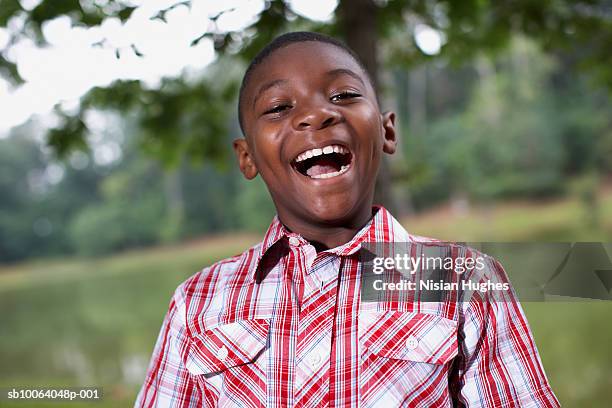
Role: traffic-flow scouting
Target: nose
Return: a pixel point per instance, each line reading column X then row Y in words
column 316, row 117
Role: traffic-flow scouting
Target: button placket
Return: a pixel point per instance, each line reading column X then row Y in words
column 315, row 359
column 222, row 353
column 324, row 275
column 412, row 342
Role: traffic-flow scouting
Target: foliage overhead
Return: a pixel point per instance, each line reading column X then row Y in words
column 469, row 27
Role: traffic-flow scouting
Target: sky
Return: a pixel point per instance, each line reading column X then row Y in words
column 70, row 66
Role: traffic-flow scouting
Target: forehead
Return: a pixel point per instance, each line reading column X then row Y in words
column 310, row 59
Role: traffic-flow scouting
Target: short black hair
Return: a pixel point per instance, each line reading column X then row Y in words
column 283, row 41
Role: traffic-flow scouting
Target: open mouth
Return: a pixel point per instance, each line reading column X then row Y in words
column 329, row 161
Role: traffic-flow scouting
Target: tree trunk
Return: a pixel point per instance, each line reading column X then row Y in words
column 358, row 26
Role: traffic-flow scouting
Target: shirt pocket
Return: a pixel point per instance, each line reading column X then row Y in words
column 421, row 337
column 402, row 355
column 226, row 346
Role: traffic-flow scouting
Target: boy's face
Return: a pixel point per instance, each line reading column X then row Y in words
column 314, row 133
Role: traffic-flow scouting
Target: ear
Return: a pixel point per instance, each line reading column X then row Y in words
column 245, row 160
column 388, row 123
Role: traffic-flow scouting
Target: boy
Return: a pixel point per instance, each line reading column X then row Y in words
column 283, row 324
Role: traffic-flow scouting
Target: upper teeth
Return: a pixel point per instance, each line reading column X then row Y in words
column 317, row 152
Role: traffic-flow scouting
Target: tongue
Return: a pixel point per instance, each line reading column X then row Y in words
column 322, row 166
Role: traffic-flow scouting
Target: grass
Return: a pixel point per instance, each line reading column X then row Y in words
column 99, row 318
column 94, row 322
column 574, row 340
column 553, row 221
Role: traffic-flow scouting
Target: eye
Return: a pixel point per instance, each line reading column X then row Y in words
column 344, row 95
column 277, row 109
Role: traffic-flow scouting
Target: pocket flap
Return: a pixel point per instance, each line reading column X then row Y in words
column 227, row 346
column 411, row 336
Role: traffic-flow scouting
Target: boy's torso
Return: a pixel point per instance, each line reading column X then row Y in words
column 281, row 325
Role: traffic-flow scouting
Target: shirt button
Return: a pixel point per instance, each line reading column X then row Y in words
column 294, row 241
column 222, row 353
column 315, row 359
column 412, row 342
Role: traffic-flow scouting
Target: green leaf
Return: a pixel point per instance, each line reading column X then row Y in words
column 49, row 9
column 125, row 13
column 8, row 70
column 8, row 8
column 68, row 138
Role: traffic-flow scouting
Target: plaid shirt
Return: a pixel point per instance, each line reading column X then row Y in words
column 282, row 325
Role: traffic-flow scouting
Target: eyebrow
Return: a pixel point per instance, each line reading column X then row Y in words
column 344, row 71
column 267, row 86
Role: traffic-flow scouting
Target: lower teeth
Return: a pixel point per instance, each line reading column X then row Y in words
column 342, row 170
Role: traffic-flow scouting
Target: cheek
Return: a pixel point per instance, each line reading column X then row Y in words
column 270, row 131
column 267, row 144
column 368, row 118
column 368, row 125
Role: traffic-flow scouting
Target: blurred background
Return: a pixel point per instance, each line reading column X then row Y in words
column 117, row 179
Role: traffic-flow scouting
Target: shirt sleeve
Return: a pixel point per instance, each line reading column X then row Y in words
column 168, row 383
column 499, row 365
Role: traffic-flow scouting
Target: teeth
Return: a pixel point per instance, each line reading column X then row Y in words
column 317, row 152
column 342, row 170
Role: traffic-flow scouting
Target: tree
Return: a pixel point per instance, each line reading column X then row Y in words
column 469, row 27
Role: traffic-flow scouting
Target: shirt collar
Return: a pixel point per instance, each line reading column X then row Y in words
column 382, row 227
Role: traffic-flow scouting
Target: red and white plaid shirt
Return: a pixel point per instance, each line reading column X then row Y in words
column 282, row 325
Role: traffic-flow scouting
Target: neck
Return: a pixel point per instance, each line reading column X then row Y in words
column 326, row 236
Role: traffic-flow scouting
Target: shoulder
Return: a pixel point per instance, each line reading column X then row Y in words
column 205, row 292
column 477, row 264
column 467, row 261
column 234, row 270
column 481, row 276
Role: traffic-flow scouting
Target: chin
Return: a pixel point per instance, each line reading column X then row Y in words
column 333, row 211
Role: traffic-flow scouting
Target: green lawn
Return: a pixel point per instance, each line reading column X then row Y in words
column 564, row 220
column 94, row 322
